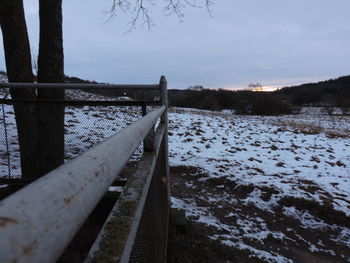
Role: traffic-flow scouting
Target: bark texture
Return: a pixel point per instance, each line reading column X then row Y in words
column 51, row 70
column 19, row 69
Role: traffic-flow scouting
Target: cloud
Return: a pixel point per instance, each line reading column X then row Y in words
column 272, row 42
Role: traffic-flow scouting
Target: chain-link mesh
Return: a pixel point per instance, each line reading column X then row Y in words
column 9, row 148
column 85, row 126
column 150, row 241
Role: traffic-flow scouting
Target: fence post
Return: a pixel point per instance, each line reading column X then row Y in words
column 164, row 120
column 164, row 98
column 164, row 150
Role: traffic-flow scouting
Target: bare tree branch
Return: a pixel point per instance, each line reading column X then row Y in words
column 143, row 13
column 141, row 10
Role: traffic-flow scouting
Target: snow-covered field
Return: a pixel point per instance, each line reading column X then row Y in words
column 276, row 186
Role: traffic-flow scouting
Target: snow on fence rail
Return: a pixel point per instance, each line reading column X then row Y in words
column 39, row 221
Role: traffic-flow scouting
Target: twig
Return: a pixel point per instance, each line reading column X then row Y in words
column 142, row 9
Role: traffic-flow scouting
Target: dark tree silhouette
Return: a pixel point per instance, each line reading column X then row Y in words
column 50, row 70
column 19, row 69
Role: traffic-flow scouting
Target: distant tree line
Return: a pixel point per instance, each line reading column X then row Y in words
column 243, row 102
column 330, row 93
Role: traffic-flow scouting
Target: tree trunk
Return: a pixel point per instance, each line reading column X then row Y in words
column 51, row 70
column 19, row 69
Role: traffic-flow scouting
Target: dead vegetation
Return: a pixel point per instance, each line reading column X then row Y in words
column 310, row 128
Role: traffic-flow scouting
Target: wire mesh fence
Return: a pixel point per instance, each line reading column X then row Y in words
column 9, row 146
column 151, row 236
column 84, row 126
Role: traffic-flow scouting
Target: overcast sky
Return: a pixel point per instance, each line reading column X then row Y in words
column 272, row 42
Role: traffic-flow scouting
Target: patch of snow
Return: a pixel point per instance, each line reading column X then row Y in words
column 264, row 255
column 115, row 189
column 307, row 221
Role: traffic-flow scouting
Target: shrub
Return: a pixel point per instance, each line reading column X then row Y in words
column 210, row 103
column 344, row 105
column 269, row 105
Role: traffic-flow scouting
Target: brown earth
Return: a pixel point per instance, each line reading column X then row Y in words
column 297, row 239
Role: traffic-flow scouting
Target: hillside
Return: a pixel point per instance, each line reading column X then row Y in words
column 331, row 86
column 330, row 92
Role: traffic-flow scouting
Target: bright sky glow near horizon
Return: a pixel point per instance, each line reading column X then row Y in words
column 272, row 42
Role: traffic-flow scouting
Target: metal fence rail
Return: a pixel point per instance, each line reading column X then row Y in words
column 120, row 87
column 40, row 220
column 116, row 115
